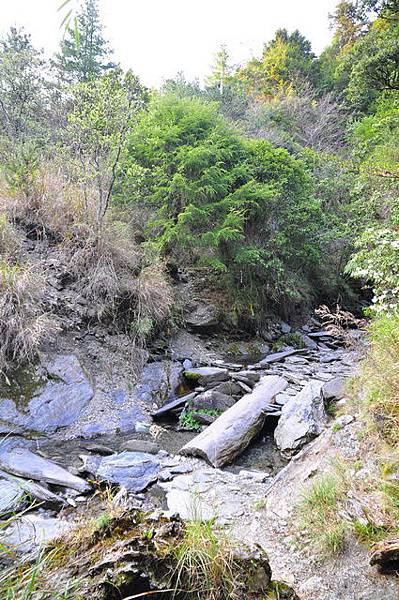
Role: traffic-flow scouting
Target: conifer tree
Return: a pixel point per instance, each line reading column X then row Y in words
column 84, row 54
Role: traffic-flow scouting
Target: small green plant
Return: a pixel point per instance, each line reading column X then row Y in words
column 368, row 533
column 319, row 517
column 188, row 421
column 288, row 339
column 336, row 427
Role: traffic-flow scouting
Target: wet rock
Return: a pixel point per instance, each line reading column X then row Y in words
column 302, row 418
column 23, row 462
column 212, row 400
column 334, row 389
column 140, row 446
column 206, row 375
column 58, row 401
column 203, row 318
column 135, row 471
column 30, row 532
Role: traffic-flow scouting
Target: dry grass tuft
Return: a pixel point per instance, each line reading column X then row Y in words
column 23, row 324
column 10, row 241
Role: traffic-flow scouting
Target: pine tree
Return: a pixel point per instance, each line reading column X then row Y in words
column 220, row 70
column 84, row 54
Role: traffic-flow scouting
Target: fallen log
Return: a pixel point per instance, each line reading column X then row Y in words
column 231, row 433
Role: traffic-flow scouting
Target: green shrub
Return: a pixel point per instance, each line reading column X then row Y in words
column 240, row 207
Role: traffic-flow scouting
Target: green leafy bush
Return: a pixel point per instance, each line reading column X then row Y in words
column 240, row 207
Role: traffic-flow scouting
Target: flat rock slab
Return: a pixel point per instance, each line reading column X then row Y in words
column 135, row 471
column 29, row 533
column 24, row 463
column 302, row 418
column 231, row 433
column 16, row 493
column 57, row 401
column 279, row 356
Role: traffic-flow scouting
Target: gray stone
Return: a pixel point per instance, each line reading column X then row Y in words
column 27, row 491
column 303, row 418
column 30, row 532
column 205, row 375
column 157, row 382
column 285, row 328
column 140, row 446
column 279, row 356
column 252, row 376
column 203, row 419
column 177, row 403
column 309, row 343
column 344, row 420
column 58, row 401
column 334, row 389
column 23, row 462
column 12, row 497
column 229, row 388
column 135, row 471
column 203, row 318
column 212, row 400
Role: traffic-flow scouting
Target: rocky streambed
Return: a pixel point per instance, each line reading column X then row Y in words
column 69, row 431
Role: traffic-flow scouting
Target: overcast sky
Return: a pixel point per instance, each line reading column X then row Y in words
column 158, row 38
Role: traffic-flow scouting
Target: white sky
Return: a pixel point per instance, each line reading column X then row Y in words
column 158, row 38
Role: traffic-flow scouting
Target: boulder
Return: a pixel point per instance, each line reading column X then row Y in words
column 211, row 400
column 334, row 389
column 302, row 418
column 23, row 462
column 51, row 398
column 157, row 381
column 135, row 471
column 203, row 317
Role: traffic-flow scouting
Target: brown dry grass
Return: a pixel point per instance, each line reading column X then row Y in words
column 23, row 324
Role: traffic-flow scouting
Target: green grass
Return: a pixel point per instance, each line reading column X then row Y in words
column 319, row 514
column 187, row 421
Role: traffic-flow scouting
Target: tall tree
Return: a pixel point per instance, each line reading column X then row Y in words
column 22, row 86
column 287, row 59
column 84, row 54
column 220, row 70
